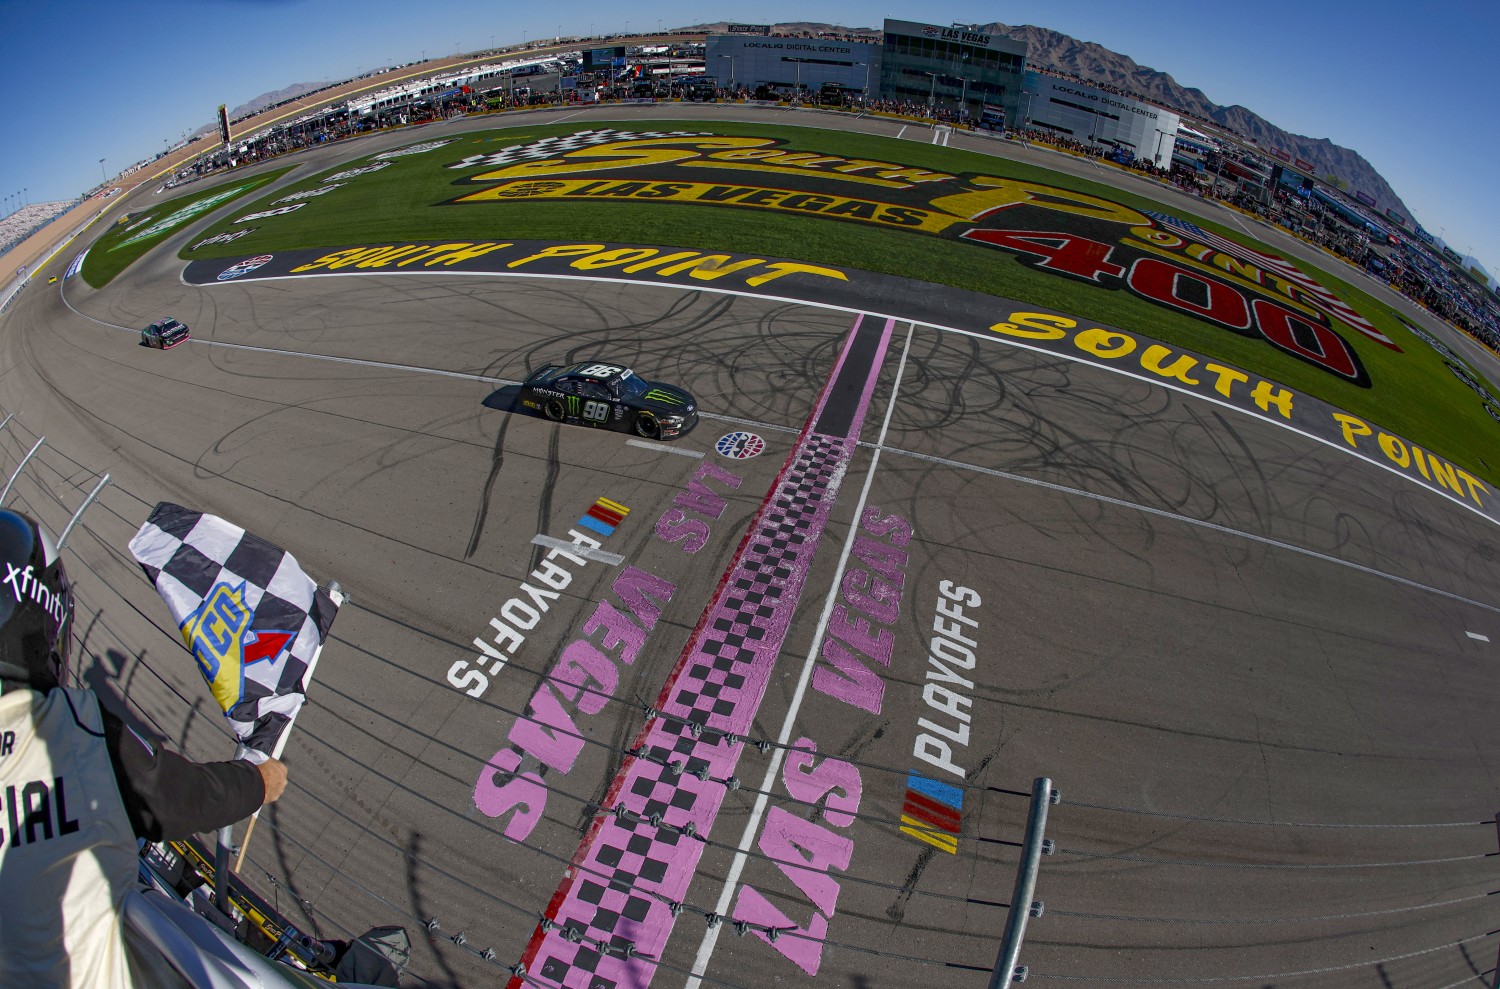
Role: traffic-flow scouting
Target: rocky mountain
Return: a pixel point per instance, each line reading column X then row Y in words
column 1097, row 64
column 1048, row 49
column 264, row 100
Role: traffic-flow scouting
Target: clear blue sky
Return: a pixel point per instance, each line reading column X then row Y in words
column 1409, row 86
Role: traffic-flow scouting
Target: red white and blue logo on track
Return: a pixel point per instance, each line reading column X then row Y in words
column 740, row 445
column 244, row 267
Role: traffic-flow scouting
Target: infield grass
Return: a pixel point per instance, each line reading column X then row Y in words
column 136, row 233
column 1412, row 392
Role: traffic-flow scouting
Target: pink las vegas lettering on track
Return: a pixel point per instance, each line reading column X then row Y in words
column 642, row 850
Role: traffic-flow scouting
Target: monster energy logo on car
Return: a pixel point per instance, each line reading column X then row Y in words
column 656, row 394
column 573, row 401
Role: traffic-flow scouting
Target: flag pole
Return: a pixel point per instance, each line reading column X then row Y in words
column 336, row 593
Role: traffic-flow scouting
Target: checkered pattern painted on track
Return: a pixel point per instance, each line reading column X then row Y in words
column 606, row 934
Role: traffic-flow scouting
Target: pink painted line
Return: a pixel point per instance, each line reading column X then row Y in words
column 610, row 920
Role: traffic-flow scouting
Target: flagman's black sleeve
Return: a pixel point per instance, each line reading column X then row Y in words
column 169, row 797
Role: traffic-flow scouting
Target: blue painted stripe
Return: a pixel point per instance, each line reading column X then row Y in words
column 589, row 522
column 943, row 793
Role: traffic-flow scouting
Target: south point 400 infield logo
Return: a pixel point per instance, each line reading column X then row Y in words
column 1163, row 259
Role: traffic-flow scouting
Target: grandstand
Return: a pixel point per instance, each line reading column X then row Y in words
column 29, row 219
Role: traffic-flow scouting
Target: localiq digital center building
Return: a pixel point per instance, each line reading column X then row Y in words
column 980, row 76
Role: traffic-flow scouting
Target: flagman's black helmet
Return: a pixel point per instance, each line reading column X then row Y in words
column 36, row 605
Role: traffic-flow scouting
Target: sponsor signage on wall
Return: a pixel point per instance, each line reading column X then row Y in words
column 750, row 29
column 223, row 124
column 962, row 36
column 1364, row 197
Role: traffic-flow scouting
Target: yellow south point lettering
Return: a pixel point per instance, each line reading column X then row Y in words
column 776, row 269
column 558, row 251
column 1225, row 375
column 1153, row 355
column 1035, row 326
column 333, row 260
column 1352, row 427
column 711, row 266
column 1104, row 343
column 1266, row 395
column 1474, row 485
column 455, row 253
column 618, row 256
column 1394, row 449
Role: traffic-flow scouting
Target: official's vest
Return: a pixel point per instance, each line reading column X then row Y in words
column 67, row 852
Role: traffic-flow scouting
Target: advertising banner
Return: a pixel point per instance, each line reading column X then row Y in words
column 223, row 125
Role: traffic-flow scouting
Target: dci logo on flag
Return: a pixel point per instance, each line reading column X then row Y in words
column 220, row 637
column 253, row 620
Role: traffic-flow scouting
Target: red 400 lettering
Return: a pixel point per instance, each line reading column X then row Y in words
column 1305, row 332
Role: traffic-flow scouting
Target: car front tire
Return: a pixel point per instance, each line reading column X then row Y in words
column 553, row 409
column 647, row 426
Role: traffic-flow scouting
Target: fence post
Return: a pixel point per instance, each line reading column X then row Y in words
column 1021, row 905
column 81, row 509
column 21, row 466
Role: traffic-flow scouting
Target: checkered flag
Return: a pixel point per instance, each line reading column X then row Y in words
column 552, row 147
column 251, row 618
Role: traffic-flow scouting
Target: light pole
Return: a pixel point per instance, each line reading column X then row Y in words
column 865, row 96
column 731, row 70
column 102, row 176
column 932, row 90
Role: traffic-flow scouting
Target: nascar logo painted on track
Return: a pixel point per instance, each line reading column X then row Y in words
column 1161, row 258
column 740, row 445
column 218, row 635
column 244, row 267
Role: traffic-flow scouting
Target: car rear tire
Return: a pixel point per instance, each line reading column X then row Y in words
column 647, row 426
column 553, row 409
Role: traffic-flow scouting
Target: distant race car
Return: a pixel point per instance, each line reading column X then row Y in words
column 593, row 393
column 164, row 334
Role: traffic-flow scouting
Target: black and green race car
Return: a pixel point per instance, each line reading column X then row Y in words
column 597, row 393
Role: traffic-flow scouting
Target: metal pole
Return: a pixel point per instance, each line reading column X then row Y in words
column 81, row 509
column 8, row 418
column 20, row 467
column 1021, row 905
column 221, row 869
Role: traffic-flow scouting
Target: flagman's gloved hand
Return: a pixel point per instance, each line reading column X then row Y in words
column 273, row 775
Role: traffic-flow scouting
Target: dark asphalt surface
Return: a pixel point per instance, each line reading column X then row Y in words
column 1306, row 659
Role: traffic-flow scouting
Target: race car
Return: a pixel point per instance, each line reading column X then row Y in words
column 599, row 394
column 164, row 334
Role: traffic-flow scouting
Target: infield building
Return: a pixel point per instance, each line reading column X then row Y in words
column 959, row 69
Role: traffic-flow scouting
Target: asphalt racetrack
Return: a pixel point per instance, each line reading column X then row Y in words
column 1250, row 664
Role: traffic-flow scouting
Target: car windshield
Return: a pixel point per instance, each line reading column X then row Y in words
column 631, row 386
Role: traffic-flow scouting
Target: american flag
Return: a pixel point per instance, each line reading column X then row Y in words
column 251, row 617
column 1311, row 292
